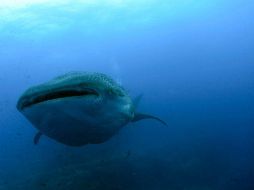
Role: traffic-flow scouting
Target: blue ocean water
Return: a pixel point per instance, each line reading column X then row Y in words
column 193, row 61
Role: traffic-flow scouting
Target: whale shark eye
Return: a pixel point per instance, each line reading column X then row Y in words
column 111, row 91
column 120, row 93
column 115, row 92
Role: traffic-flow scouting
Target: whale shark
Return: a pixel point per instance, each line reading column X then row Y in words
column 79, row 108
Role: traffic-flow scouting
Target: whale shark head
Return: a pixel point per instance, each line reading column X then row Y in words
column 77, row 108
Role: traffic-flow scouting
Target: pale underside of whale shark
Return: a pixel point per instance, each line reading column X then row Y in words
column 79, row 108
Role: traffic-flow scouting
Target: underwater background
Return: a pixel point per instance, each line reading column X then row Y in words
column 193, row 61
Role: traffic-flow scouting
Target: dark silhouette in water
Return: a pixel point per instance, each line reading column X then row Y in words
column 79, row 108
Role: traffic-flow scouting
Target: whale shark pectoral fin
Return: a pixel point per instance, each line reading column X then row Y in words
column 37, row 137
column 140, row 116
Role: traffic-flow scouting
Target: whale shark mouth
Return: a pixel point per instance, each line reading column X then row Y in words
column 58, row 94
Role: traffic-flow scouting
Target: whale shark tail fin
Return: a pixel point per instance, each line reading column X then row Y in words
column 141, row 116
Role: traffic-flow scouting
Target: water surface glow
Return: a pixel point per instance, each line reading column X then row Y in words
column 43, row 17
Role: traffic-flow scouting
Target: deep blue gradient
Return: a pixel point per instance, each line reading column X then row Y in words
column 192, row 60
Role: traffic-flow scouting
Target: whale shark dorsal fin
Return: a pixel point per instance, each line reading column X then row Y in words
column 140, row 116
column 37, row 137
